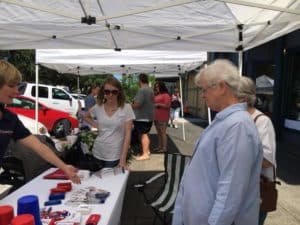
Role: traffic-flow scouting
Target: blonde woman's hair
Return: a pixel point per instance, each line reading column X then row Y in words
column 9, row 74
column 247, row 91
column 220, row 70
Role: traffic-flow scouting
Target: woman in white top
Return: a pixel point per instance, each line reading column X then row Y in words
column 247, row 93
column 114, row 122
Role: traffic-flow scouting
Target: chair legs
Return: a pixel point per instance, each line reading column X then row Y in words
column 163, row 218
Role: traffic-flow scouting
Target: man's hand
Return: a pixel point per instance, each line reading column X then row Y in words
column 71, row 172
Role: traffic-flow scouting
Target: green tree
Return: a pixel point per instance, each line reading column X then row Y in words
column 24, row 60
column 131, row 85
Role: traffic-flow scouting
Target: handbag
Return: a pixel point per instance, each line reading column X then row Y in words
column 268, row 193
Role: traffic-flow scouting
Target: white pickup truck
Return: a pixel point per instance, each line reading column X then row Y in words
column 51, row 96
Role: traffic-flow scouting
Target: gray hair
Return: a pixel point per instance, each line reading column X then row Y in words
column 247, row 91
column 221, row 70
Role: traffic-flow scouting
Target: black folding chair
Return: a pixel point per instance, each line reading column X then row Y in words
column 163, row 202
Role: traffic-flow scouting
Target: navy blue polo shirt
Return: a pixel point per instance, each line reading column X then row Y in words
column 10, row 127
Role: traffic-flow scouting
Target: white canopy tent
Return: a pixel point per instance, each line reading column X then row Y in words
column 93, row 61
column 197, row 25
column 187, row 25
column 264, row 85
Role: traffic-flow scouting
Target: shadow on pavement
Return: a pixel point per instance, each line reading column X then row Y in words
column 288, row 165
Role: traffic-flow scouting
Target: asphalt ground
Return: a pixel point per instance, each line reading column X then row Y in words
column 136, row 212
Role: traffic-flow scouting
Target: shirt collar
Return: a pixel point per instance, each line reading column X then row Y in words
column 231, row 109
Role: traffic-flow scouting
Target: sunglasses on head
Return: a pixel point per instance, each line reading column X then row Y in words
column 113, row 92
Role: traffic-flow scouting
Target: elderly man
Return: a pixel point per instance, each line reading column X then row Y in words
column 220, row 186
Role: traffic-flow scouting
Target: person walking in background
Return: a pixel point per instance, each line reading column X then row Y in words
column 12, row 128
column 162, row 103
column 114, row 122
column 175, row 108
column 90, row 100
column 247, row 93
column 143, row 107
column 221, row 183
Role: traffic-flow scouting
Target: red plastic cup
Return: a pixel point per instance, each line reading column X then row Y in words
column 23, row 219
column 6, row 214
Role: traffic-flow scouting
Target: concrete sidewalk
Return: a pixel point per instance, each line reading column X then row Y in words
column 288, row 212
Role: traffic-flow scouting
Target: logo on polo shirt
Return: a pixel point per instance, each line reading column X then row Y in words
column 6, row 131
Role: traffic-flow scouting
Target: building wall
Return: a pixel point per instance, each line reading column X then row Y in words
column 277, row 59
column 194, row 102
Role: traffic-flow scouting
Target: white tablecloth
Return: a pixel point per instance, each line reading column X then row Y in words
column 110, row 211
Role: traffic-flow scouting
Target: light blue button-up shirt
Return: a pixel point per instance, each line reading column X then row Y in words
column 221, row 184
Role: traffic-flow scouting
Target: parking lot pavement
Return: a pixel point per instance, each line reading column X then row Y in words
column 288, row 210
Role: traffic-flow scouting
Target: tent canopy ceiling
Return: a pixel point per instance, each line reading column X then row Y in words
column 95, row 61
column 197, row 25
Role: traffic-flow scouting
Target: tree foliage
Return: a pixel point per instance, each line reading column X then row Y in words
column 24, row 60
column 130, row 85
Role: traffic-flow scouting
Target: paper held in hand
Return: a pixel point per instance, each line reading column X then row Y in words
column 107, row 172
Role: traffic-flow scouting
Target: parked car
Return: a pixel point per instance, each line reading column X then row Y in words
column 81, row 98
column 30, row 125
column 56, row 121
column 51, row 96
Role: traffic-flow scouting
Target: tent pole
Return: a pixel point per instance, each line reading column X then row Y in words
column 36, row 96
column 262, row 6
column 240, row 62
column 208, row 109
column 209, row 115
column 182, row 113
column 78, row 87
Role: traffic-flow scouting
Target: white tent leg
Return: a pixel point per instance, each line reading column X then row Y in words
column 240, row 62
column 209, row 115
column 180, row 89
column 36, row 97
column 78, row 86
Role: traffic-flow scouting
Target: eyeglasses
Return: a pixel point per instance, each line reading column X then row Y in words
column 113, row 92
column 204, row 90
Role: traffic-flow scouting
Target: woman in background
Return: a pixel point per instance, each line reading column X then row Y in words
column 90, row 100
column 175, row 108
column 162, row 103
column 114, row 122
column 247, row 93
